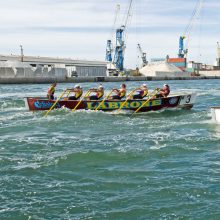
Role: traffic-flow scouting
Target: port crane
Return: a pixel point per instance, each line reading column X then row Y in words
column 121, row 36
column 183, row 47
column 218, row 54
column 109, row 47
column 143, row 55
column 218, row 50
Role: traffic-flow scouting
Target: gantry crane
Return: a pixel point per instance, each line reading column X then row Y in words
column 183, row 49
column 109, row 47
column 218, row 50
column 121, row 36
column 143, row 55
column 218, row 54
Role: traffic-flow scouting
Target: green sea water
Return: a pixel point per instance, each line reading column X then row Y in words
column 95, row 165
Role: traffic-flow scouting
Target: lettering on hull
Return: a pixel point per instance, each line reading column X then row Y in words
column 116, row 105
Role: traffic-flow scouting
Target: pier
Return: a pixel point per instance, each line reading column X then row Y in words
column 47, row 80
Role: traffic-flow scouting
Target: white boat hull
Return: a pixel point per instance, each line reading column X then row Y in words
column 215, row 111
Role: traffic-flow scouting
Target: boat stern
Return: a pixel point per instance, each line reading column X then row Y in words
column 187, row 101
column 26, row 103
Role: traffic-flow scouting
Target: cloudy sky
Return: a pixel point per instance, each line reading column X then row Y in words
column 79, row 28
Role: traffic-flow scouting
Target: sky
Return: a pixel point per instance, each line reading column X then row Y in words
column 79, row 29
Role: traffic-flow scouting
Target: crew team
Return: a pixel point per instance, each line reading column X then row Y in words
column 116, row 94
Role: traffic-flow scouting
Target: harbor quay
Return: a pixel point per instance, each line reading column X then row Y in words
column 46, row 80
column 29, row 69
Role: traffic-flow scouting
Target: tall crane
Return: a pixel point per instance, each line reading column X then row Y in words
column 218, row 50
column 183, row 49
column 109, row 47
column 218, row 54
column 121, row 35
column 143, row 55
column 108, row 53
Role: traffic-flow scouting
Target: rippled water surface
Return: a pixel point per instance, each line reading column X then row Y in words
column 87, row 165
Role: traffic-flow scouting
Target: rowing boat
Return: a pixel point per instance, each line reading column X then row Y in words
column 215, row 111
column 184, row 101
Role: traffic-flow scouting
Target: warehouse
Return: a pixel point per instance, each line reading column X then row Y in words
column 49, row 66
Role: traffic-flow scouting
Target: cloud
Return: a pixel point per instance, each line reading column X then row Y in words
column 79, row 29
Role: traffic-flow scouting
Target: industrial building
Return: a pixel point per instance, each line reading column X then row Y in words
column 30, row 66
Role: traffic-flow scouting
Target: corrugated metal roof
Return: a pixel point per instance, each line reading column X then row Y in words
column 53, row 60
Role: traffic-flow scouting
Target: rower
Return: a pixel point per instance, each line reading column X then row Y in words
column 142, row 92
column 99, row 92
column 77, row 92
column 51, row 91
column 119, row 93
column 164, row 92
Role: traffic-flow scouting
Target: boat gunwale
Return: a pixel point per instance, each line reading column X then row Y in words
column 121, row 100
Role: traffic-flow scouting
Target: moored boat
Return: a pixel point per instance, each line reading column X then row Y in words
column 215, row 111
column 185, row 101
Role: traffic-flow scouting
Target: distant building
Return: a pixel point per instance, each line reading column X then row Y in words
column 157, row 60
column 67, row 67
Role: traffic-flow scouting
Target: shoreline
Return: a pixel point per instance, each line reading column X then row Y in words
column 46, row 80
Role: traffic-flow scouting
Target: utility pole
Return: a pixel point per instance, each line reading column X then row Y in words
column 22, row 54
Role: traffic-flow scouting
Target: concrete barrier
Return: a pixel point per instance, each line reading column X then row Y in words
column 7, row 72
column 24, row 72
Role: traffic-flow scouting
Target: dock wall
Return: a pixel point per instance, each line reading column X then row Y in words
column 210, row 73
column 32, row 80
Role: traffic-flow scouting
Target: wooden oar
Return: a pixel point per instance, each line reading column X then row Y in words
column 69, row 91
column 150, row 95
column 62, row 94
column 128, row 96
column 88, row 92
column 104, row 100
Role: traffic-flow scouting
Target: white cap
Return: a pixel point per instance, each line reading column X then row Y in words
column 100, row 86
column 77, row 86
column 144, row 85
column 165, row 85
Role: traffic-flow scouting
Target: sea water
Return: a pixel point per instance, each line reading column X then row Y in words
column 96, row 165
